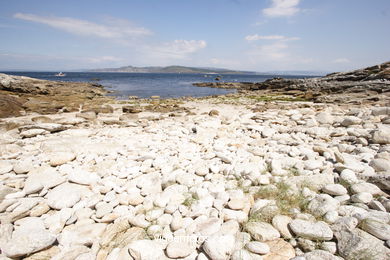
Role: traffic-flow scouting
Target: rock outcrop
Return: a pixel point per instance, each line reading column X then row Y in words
column 371, row 84
column 20, row 94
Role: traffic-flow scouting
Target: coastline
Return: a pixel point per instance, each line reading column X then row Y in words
column 172, row 178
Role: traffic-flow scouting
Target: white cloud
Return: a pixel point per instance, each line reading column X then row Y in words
column 115, row 29
column 256, row 37
column 341, row 60
column 273, row 52
column 280, row 8
column 178, row 49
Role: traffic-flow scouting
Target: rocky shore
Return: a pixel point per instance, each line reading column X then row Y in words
column 359, row 86
column 20, row 95
column 231, row 177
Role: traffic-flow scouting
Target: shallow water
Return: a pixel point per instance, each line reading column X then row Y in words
column 145, row 85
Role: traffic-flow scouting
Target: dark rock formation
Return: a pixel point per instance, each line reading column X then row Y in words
column 368, row 84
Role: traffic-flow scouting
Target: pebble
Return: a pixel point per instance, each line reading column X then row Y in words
column 101, row 188
column 258, row 247
column 311, row 230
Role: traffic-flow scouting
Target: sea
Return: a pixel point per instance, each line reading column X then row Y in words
column 143, row 85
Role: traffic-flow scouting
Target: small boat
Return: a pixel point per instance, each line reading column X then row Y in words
column 60, row 74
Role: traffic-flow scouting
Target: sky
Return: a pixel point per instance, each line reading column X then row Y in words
column 255, row 35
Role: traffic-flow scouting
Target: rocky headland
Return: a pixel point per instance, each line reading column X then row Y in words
column 359, row 86
column 241, row 176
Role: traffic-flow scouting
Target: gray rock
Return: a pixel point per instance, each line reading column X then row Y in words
column 351, row 120
column 320, row 254
column 380, row 165
column 51, row 127
column 335, row 189
column 219, row 247
column 376, row 228
column 311, row 230
column 381, row 136
column 324, row 118
column 365, row 187
column 378, row 111
column 358, row 244
column 323, row 203
column 262, row 231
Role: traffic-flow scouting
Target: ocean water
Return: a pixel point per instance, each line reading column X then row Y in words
column 145, row 85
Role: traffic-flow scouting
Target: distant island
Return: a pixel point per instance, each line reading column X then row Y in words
column 171, row 69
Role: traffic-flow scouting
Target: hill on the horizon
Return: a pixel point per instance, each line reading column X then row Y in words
column 171, row 69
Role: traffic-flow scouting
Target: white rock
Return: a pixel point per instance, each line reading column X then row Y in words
column 311, row 230
column 362, row 197
column 179, row 249
column 146, row 250
column 59, row 158
column 242, row 254
column 135, row 197
column 81, row 234
column 237, row 215
column 348, row 176
column 42, row 177
column 27, row 240
column 258, row 247
column 23, row 166
column 208, row 226
column 323, row 203
column 33, row 132
column 331, row 247
column 83, row 177
column 280, row 222
column 236, row 203
column 64, row 196
column 261, row 231
column 103, row 209
column 324, row 118
column 5, row 167
column 219, row 247
column 331, row 217
column 56, row 222
column 335, row 189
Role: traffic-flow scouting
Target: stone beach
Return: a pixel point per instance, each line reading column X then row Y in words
column 230, row 177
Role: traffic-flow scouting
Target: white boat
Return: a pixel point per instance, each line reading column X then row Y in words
column 60, row 74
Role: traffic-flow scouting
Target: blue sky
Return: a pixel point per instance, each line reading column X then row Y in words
column 261, row 35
